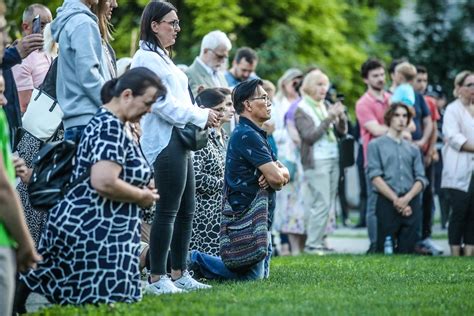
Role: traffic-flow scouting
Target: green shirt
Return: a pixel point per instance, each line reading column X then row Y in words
column 5, row 239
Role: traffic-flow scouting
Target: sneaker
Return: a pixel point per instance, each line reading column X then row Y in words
column 163, row 286
column 434, row 248
column 319, row 251
column 187, row 283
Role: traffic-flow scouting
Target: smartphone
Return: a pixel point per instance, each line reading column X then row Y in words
column 37, row 25
column 340, row 97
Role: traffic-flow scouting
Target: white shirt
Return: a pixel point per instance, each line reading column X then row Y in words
column 176, row 109
column 458, row 127
column 323, row 148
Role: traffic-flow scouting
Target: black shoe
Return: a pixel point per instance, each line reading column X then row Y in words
column 360, row 225
column 372, row 249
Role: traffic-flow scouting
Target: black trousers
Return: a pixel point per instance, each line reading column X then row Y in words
column 172, row 226
column 461, row 220
column 428, row 203
column 402, row 229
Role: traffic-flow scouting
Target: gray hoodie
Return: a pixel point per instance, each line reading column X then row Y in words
column 82, row 68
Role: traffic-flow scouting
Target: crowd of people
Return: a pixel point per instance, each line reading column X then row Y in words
column 160, row 149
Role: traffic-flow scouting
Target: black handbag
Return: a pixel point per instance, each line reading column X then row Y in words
column 346, row 151
column 193, row 137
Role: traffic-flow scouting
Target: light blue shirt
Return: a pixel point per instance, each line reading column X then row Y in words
column 405, row 94
column 176, row 109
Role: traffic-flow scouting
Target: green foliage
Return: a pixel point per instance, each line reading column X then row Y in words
column 328, row 285
column 439, row 38
column 335, row 35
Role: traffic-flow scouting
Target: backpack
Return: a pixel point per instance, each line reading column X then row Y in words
column 52, row 170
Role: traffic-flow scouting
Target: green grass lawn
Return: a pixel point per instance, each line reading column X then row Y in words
column 327, row 285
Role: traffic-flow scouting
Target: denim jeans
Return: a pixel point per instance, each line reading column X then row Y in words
column 74, row 133
column 213, row 268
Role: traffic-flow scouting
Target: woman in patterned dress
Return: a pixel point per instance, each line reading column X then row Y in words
column 91, row 241
column 209, row 163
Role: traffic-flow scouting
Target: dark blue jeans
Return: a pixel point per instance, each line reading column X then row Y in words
column 212, row 267
column 74, row 133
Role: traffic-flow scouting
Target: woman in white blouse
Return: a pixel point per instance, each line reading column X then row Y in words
column 458, row 169
column 172, row 162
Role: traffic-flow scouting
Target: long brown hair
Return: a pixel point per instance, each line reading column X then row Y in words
column 105, row 27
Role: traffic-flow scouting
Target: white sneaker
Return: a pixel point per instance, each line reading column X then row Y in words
column 187, row 283
column 163, row 286
column 434, row 248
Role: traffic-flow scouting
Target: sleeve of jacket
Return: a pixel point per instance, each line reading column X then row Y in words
column 87, row 59
column 308, row 131
column 11, row 58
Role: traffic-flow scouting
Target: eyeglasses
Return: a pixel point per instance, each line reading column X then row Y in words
column 174, row 23
column 264, row 98
column 220, row 57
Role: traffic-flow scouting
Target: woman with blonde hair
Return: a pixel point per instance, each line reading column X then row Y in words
column 458, row 174
column 317, row 124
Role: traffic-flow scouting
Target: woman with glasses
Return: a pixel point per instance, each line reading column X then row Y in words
column 317, row 124
column 171, row 160
column 458, row 171
column 209, row 164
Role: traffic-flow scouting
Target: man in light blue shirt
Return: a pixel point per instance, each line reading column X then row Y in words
column 243, row 67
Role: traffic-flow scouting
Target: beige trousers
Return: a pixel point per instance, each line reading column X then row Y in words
column 319, row 197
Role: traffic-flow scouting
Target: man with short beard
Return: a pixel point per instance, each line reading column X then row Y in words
column 370, row 109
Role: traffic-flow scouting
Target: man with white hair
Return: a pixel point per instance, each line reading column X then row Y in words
column 206, row 70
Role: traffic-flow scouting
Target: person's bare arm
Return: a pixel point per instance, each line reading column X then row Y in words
column 383, row 188
column 402, row 202
column 427, row 129
column 11, row 214
column 468, row 147
column 24, row 98
column 105, row 180
column 376, row 129
column 275, row 174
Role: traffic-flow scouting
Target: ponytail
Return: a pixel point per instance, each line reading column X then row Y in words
column 108, row 91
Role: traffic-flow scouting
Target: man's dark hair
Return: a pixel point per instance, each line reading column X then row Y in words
column 394, row 64
column 387, row 118
column 369, row 65
column 421, row 69
column 244, row 91
column 246, row 53
column 154, row 11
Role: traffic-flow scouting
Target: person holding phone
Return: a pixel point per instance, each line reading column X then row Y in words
column 32, row 70
column 317, row 123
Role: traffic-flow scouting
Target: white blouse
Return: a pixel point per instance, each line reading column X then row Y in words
column 176, row 109
column 458, row 127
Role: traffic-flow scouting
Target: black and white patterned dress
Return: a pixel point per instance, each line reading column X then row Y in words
column 90, row 244
column 28, row 148
column 209, row 165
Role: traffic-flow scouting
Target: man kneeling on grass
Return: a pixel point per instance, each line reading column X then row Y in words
column 250, row 165
column 396, row 170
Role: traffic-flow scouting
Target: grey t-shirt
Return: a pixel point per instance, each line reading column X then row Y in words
column 398, row 163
